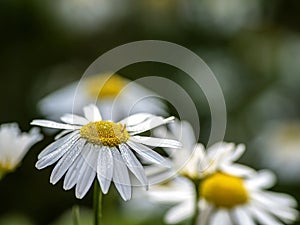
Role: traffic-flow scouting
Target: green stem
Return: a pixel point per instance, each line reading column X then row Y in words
column 76, row 215
column 97, row 204
column 196, row 209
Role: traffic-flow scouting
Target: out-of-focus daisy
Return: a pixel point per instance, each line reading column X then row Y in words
column 192, row 160
column 214, row 15
column 117, row 97
column 14, row 145
column 228, row 199
column 279, row 148
column 88, row 15
column 90, row 146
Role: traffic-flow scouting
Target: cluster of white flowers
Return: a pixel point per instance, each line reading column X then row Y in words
column 206, row 185
column 226, row 192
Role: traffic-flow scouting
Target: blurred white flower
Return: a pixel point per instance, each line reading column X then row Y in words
column 278, row 147
column 14, row 145
column 227, row 199
column 226, row 17
column 87, row 15
column 116, row 97
column 89, row 146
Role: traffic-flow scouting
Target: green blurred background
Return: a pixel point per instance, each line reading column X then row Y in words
column 253, row 47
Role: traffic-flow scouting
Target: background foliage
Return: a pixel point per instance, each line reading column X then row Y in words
column 253, row 47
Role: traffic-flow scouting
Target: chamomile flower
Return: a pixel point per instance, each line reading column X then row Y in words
column 14, row 145
column 117, row 97
column 278, row 147
column 89, row 147
column 228, row 199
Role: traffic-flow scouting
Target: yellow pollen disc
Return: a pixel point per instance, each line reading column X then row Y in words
column 104, row 86
column 105, row 133
column 6, row 167
column 224, row 190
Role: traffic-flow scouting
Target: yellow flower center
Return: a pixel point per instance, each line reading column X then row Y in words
column 105, row 133
column 6, row 168
column 104, row 86
column 224, row 190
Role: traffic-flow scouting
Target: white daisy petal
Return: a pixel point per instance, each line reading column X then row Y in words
column 205, row 212
column 92, row 113
column 262, row 216
column 59, row 102
column 87, row 172
column 179, row 212
column 283, row 211
column 53, row 146
column 62, row 133
column 167, row 195
column 242, row 216
column 237, row 169
column 74, row 119
column 221, row 217
column 148, row 125
column 287, row 215
column 133, row 164
column 136, row 119
column 148, row 154
column 157, row 142
column 55, row 155
column 120, row 175
column 199, row 150
column 263, row 179
column 281, row 198
column 51, row 124
column 237, row 153
column 183, row 131
column 105, row 168
column 66, row 161
column 220, row 150
column 71, row 177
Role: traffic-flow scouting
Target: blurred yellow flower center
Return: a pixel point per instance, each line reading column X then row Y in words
column 105, row 133
column 224, row 190
column 103, row 86
column 6, row 167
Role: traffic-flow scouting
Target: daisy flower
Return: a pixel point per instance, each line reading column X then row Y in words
column 117, row 97
column 278, row 147
column 14, row 145
column 227, row 192
column 89, row 147
column 227, row 199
